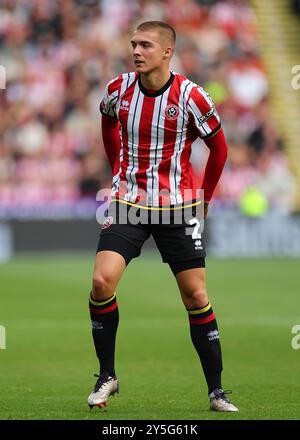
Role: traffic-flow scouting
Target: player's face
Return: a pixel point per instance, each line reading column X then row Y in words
column 148, row 51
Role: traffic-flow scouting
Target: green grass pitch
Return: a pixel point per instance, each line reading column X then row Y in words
column 46, row 370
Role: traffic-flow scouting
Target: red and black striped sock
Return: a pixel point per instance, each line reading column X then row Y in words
column 205, row 337
column 105, row 320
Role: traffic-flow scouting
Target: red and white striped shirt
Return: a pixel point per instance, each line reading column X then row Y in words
column 157, row 131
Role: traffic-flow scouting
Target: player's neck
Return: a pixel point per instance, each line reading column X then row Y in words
column 155, row 80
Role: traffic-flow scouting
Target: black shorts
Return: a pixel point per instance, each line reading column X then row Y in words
column 180, row 243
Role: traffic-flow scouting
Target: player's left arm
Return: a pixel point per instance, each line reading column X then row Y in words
column 207, row 122
column 217, row 157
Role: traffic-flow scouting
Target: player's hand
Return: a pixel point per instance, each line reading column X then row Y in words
column 206, row 209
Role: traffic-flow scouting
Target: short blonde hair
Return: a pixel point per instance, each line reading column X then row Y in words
column 164, row 28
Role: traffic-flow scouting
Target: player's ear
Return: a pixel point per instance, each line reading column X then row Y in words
column 168, row 52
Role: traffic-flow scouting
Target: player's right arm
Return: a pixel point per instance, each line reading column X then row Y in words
column 111, row 141
column 110, row 124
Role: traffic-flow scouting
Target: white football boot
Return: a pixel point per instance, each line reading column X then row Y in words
column 106, row 386
column 219, row 401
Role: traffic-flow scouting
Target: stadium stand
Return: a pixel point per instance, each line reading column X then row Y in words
column 58, row 56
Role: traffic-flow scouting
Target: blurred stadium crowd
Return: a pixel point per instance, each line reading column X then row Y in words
column 59, row 55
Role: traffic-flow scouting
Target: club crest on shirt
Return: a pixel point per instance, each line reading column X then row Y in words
column 107, row 222
column 172, row 112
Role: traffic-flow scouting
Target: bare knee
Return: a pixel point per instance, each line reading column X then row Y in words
column 195, row 298
column 103, row 286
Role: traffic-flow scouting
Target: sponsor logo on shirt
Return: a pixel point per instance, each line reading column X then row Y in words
column 204, row 118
